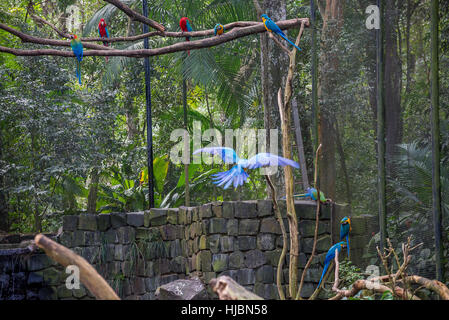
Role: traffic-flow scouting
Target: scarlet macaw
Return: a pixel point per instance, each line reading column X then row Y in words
column 184, row 23
column 103, row 32
column 237, row 174
column 77, row 48
column 345, row 228
column 330, row 255
column 219, row 29
column 271, row 26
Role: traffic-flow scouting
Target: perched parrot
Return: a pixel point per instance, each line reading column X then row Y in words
column 271, row 26
column 184, row 23
column 345, row 228
column 311, row 193
column 103, row 32
column 219, row 29
column 330, row 255
column 77, row 48
column 237, row 174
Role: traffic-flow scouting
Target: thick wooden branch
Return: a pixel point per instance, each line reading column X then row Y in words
column 434, row 285
column 227, row 289
column 43, row 21
column 88, row 275
column 140, row 53
column 51, row 42
column 136, row 16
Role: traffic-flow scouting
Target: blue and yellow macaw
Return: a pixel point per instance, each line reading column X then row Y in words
column 219, row 29
column 77, row 48
column 330, row 255
column 271, row 26
column 313, row 194
column 345, row 228
column 238, row 175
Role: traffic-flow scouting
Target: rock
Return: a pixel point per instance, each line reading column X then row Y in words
column 232, row 226
column 266, row 241
column 47, row 293
column 217, row 225
column 228, row 209
column 264, row 208
column 135, row 219
column 80, row 293
column 118, row 219
column 183, row 289
column 236, row 260
column 87, row 222
column 227, row 244
column 322, row 245
column 203, row 261
column 246, row 243
column 182, row 216
column 270, row 225
column 246, row 276
column 273, row 256
column 307, row 228
column 104, row 221
column 111, row 236
column 205, row 211
column 214, row 242
column 52, row 276
column 69, row 223
column 33, row 279
column 255, row 258
column 248, row 227
column 265, row 274
column 245, row 209
column 217, row 209
column 38, row 262
column 172, row 216
column 220, row 262
column 170, row 232
column 126, row 234
column 151, row 284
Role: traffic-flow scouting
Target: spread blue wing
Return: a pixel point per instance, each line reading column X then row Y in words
column 107, row 32
column 268, row 159
column 236, row 176
column 228, row 155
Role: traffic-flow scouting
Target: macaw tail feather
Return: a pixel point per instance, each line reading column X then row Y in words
column 347, row 244
column 236, row 176
column 326, row 266
column 78, row 72
column 283, row 36
column 302, row 195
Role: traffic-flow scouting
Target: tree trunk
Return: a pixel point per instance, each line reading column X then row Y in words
column 93, row 189
column 274, row 63
column 332, row 14
column 3, row 202
column 393, row 72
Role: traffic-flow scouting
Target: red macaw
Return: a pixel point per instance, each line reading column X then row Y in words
column 103, row 31
column 184, row 23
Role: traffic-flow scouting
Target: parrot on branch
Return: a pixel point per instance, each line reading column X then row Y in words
column 330, row 255
column 219, row 29
column 77, row 48
column 237, row 175
column 271, row 26
column 184, row 23
column 345, row 228
column 312, row 193
column 103, row 32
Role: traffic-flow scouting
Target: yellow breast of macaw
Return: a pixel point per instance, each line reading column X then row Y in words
column 220, row 30
column 265, row 25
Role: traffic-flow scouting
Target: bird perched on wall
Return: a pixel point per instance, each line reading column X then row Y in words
column 345, row 228
column 311, row 193
column 77, row 48
column 330, row 255
column 237, row 175
column 219, row 29
column 271, row 26
column 184, row 23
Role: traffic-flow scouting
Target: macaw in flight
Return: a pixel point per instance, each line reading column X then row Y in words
column 237, row 175
column 184, row 23
column 330, row 255
column 271, row 26
column 219, row 29
column 77, row 48
column 345, row 228
column 312, row 193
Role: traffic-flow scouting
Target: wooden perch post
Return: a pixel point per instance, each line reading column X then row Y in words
column 88, row 275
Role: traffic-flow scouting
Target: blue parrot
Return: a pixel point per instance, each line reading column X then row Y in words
column 330, row 255
column 237, row 174
column 77, row 48
column 271, row 26
column 345, row 228
column 218, row 29
column 311, row 193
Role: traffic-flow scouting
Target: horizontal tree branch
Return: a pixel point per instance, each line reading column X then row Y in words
column 50, row 42
column 180, row 46
column 41, row 20
column 136, row 16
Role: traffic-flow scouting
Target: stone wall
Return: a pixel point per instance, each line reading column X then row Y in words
column 138, row 252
